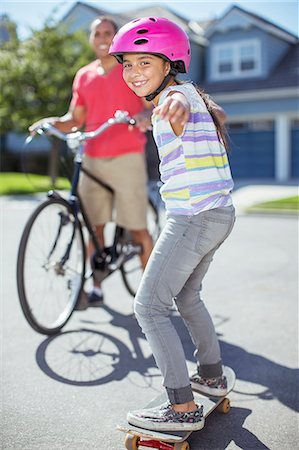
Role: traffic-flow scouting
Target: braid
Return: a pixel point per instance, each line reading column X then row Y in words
column 220, row 127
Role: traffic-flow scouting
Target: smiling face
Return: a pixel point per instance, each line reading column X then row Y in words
column 101, row 36
column 144, row 73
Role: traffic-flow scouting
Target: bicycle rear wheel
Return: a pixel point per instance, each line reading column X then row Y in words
column 131, row 269
column 50, row 266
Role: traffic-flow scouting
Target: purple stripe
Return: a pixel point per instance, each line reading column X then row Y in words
column 204, row 188
column 200, row 117
column 196, row 138
column 210, row 187
column 204, row 155
column 206, row 201
column 167, row 137
column 173, row 172
column 173, row 155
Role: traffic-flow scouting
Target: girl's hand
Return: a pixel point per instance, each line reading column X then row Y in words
column 175, row 108
column 143, row 121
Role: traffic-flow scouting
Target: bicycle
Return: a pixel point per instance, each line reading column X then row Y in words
column 51, row 262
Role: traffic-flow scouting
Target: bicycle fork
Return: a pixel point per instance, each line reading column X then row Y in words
column 112, row 258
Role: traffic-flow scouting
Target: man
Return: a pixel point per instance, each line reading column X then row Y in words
column 116, row 156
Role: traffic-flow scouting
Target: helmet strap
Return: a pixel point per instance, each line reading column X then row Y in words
column 172, row 73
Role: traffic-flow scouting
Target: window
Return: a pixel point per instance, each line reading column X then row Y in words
column 225, row 60
column 236, row 59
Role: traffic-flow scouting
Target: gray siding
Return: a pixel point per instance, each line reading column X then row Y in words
column 273, row 50
column 196, row 71
column 260, row 107
column 80, row 18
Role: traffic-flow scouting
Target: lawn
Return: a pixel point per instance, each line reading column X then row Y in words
column 289, row 204
column 20, row 183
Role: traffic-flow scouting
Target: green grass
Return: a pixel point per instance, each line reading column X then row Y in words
column 289, row 204
column 21, row 184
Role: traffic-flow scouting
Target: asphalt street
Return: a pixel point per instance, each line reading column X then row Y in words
column 69, row 391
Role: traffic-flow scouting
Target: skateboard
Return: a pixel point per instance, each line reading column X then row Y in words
column 176, row 440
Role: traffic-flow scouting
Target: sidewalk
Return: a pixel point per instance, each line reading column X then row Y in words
column 249, row 194
column 245, row 194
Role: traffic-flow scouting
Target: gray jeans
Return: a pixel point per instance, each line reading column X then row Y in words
column 174, row 272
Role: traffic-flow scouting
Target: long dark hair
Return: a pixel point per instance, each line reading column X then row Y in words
column 220, row 126
column 211, row 107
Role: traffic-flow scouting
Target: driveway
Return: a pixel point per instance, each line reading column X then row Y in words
column 69, row 391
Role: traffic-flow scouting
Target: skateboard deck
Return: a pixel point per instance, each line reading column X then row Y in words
column 139, row 437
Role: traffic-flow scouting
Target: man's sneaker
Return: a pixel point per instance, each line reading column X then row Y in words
column 95, row 298
column 164, row 418
column 212, row 386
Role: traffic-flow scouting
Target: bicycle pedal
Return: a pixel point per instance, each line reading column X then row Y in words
column 114, row 265
column 131, row 249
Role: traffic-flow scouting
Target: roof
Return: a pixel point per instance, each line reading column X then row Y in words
column 194, row 30
column 97, row 11
column 250, row 18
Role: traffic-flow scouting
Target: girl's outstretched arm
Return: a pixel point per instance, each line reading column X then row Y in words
column 175, row 109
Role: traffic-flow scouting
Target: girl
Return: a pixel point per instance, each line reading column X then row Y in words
column 196, row 190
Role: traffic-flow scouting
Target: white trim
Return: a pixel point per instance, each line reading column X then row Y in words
column 267, row 27
column 235, row 47
column 282, row 148
column 266, row 94
column 282, row 136
column 272, row 29
column 259, row 116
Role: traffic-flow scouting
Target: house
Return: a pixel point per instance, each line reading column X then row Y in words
column 252, row 70
column 4, row 33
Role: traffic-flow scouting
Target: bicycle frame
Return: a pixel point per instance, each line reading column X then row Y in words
column 59, row 260
column 74, row 142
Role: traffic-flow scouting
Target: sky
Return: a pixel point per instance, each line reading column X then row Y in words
column 32, row 14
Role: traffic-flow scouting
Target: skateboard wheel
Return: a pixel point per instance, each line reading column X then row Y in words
column 224, row 406
column 131, row 442
column 181, row 446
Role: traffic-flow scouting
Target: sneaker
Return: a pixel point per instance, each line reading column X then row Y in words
column 164, row 418
column 212, row 386
column 96, row 298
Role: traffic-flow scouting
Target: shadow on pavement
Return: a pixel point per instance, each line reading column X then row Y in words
column 88, row 357
column 220, row 432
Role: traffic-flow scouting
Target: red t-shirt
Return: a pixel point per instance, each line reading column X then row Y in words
column 102, row 95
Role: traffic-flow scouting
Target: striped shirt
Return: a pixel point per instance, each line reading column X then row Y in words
column 194, row 166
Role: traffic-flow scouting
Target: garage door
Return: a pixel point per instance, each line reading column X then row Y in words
column 252, row 153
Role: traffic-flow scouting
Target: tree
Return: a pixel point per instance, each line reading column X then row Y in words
column 36, row 75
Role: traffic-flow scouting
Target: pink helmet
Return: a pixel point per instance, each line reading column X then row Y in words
column 155, row 35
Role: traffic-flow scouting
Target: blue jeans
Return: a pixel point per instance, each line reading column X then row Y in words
column 174, row 272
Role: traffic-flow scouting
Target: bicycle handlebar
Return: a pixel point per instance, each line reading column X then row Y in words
column 81, row 136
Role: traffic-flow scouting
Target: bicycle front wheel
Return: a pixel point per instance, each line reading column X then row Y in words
column 50, row 266
column 131, row 269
